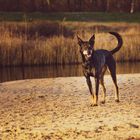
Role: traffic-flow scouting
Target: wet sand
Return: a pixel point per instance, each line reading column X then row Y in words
column 59, row 109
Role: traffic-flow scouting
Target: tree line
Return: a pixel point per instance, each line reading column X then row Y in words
column 129, row 6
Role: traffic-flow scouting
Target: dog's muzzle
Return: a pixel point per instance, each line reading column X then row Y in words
column 87, row 54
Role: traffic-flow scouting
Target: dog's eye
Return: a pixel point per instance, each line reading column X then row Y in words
column 88, row 45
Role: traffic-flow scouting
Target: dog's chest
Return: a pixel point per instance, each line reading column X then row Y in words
column 90, row 71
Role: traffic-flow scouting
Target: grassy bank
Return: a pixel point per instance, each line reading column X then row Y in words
column 54, row 42
column 71, row 16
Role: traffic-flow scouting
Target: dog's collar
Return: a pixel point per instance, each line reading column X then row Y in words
column 87, row 64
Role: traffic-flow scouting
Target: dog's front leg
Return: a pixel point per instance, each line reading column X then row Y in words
column 90, row 88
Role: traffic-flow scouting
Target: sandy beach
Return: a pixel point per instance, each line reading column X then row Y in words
column 59, row 109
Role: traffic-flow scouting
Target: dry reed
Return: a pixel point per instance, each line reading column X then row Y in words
column 60, row 46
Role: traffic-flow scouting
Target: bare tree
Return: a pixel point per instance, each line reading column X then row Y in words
column 68, row 4
column 132, row 6
column 48, row 2
column 107, row 5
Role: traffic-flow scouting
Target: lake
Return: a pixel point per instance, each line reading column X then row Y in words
column 17, row 73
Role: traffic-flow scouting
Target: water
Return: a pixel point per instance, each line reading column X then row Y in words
column 17, row 73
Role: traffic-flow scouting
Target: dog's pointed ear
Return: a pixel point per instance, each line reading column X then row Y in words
column 80, row 41
column 92, row 40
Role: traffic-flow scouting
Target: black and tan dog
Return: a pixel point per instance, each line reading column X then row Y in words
column 95, row 63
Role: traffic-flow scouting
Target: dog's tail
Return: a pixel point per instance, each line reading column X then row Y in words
column 120, row 42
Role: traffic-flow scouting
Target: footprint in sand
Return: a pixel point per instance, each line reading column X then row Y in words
column 133, row 125
column 41, row 96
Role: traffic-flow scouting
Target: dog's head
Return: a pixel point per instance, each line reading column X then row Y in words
column 86, row 47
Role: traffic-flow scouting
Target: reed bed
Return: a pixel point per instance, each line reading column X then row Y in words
column 55, row 43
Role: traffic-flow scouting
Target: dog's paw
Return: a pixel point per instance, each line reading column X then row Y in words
column 102, row 102
column 93, row 105
column 117, row 100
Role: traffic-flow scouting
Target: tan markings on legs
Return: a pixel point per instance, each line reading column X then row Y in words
column 95, row 100
column 92, row 99
column 96, row 91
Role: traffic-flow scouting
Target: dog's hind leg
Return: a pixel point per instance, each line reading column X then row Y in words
column 102, row 84
column 104, row 89
column 112, row 69
column 116, row 86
